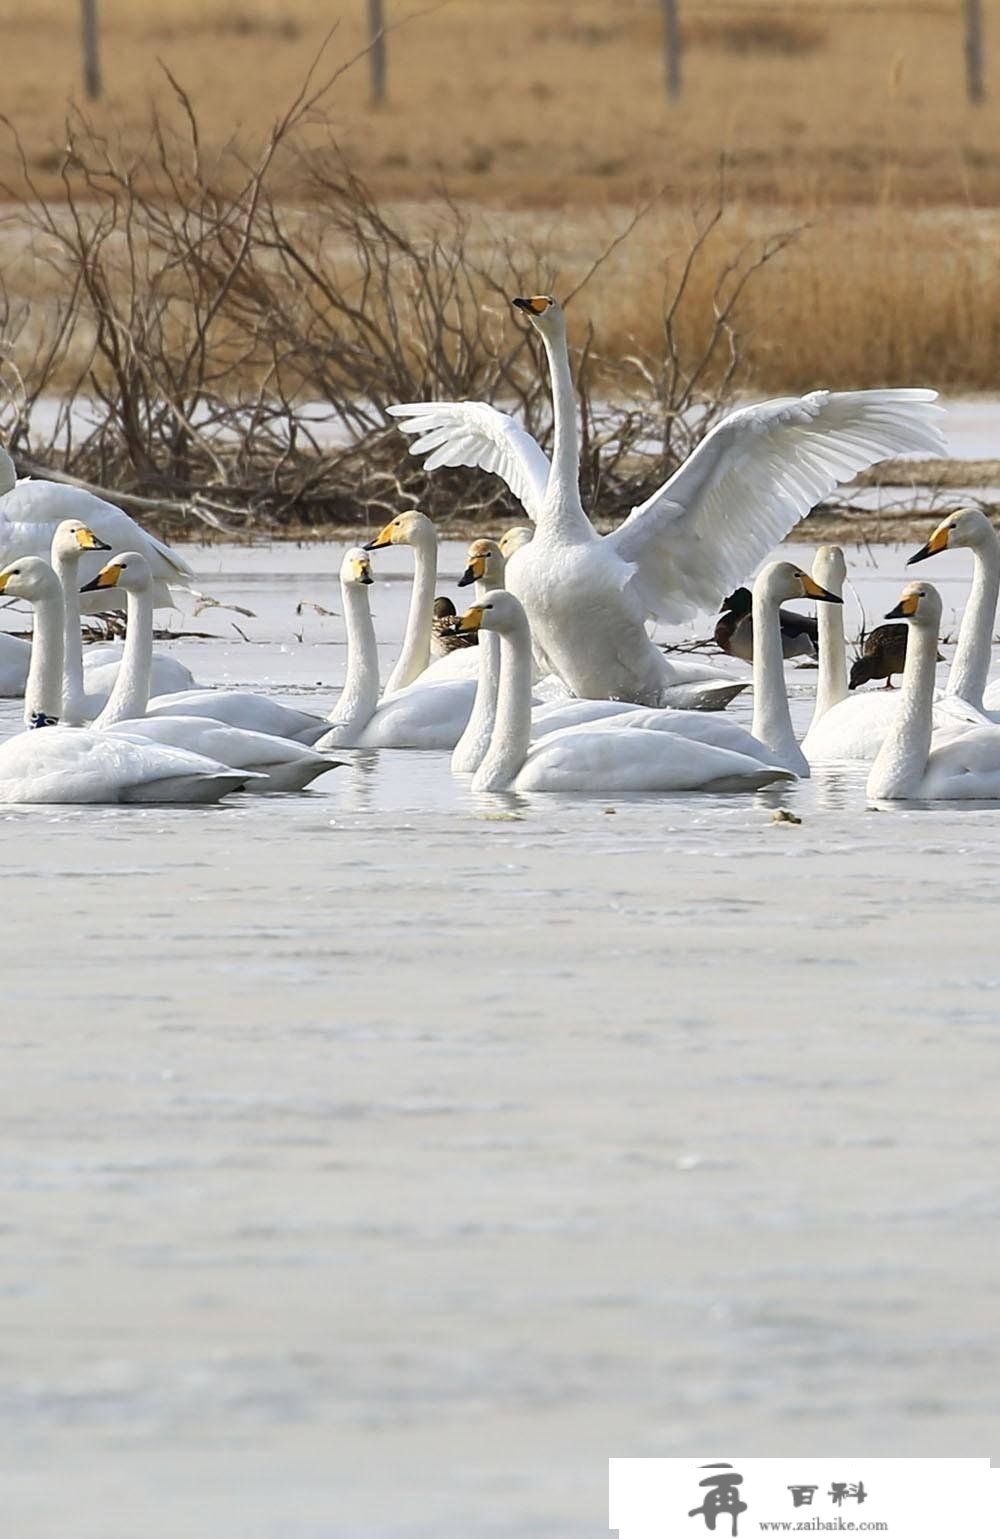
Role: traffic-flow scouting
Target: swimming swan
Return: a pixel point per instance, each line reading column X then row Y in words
column 277, row 763
column 918, row 762
column 31, row 511
column 86, row 689
column 582, row 758
column 750, row 480
column 415, row 530
column 970, row 529
column 421, row 715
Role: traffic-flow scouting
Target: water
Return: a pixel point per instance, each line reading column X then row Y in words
column 381, row 1160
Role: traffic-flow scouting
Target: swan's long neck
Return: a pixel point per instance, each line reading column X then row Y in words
column 562, row 515
column 415, row 653
column 359, row 696
column 44, row 688
column 512, row 728
column 831, row 682
column 130, row 695
column 472, row 747
column 772, row 719
column 971, row 666
column 74, row 696
column 902, row 760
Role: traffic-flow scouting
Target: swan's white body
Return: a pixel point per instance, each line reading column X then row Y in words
column 751, row 479
column 918, row 762
column 31, row 511
column 87, row 689
column 277, row 764
column 420, row 715
column 582, row 758
column 970, row 529
column 15, row 659
column 846, row 727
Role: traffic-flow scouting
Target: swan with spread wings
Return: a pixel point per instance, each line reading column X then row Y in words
column 750, row 480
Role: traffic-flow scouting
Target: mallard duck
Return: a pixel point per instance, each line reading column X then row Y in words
column 445, row 638
column 734, row 629
column 882, row 655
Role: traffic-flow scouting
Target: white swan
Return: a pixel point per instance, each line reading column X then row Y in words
column 278, row 764
column 970, row 529
column 15, row 659
column 585, row 759
column 421, row 715
column 30, row 512
column 852, row 727
column 86, row 690
column 750, row 480
column 415, row 530
column 512, row 539
column 918, row 762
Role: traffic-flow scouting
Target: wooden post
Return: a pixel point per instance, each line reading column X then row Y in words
column 671, row 48
column 376, row 38
column 974, row 87
column 91, row 53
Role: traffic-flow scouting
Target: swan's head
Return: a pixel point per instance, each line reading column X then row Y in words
column 514, row 538
column 411, row 528
column 968, row 526
column 72, row 538
column 500, row 612
column 829, row 568
column 781, row 580
column 920, row 604
column 29, row 577
column 356, row 568
column 545, row 313
column 128, row 570
column 486, row 564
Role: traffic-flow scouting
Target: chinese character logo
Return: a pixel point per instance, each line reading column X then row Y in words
column 722, row 1497
column 840, row 1491
column 802, row 1496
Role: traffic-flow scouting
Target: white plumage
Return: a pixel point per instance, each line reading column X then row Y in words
column 77, row 764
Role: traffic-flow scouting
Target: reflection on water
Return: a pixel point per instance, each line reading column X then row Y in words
column 385, row 1153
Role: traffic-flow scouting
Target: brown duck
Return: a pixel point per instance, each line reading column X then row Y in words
column 445, row 638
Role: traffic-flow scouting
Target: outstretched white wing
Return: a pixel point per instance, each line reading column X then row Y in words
column 751, row 480
column 31, row 512
column 472, row 433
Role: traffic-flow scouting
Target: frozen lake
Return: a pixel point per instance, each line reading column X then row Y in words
column 380, row 1160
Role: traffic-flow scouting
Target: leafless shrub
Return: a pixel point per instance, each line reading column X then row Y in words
column 216, row 352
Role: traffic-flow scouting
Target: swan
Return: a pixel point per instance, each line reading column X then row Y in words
column 970, row 529
column 31, row 511
column 421, row 715
column 582, row 758
column 277, row 763
column 918, row 762
column 512, row 539
column 415, row 530
column 231, row 707
column 15, row 659
column 86, row 690
column 749, row 481
column 852, row 727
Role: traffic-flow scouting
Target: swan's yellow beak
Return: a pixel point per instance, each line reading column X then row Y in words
column 107, row 577
column 474, row 572
column 937, row 542
column 361, row 571
column 3, row 581
column 386, row 536
column 907, row 606
column 87, row 539
column 811, row 589
column 472, row 619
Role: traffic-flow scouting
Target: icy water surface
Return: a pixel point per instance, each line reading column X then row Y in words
column 379, row 1161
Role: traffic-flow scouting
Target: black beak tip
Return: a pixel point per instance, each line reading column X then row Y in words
column 90, row 587
column 371, row 545
column 520, row 304
column 466, row 577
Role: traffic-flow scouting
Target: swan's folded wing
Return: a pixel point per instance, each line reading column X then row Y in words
column 751, row 480
column 473, row 433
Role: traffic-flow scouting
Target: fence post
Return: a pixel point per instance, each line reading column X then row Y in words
column 91, row 53
column 671, row 48
column 376, row 38
column 974, row 88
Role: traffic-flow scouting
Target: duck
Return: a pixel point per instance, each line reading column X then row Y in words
column 579, row 759
column 917, row 761
column 32, row 509
column 970, row 529
column 852, row 727
column 883, row 653
column 734, row 629
column 418, row 715
column 88, row 681
column 749, row 481
column 444, row 637
column 51, row 763
column 277, row 763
